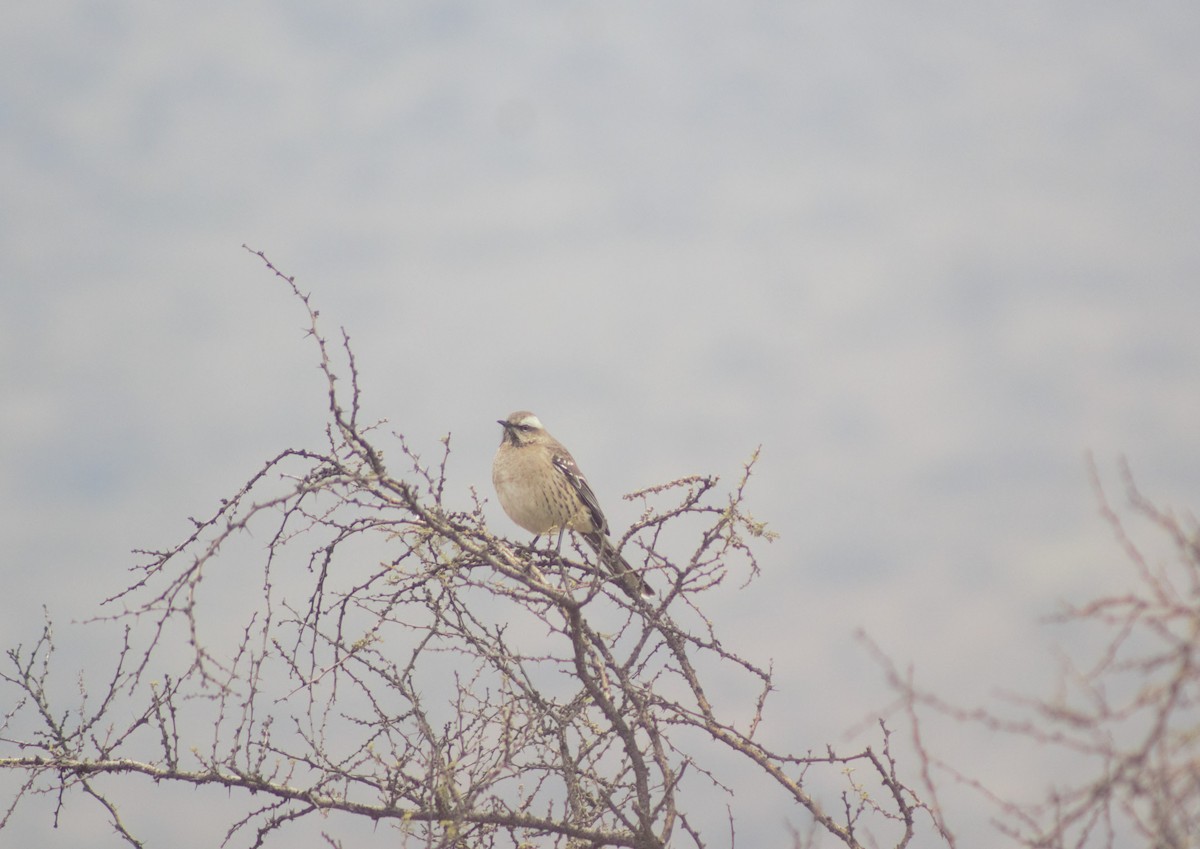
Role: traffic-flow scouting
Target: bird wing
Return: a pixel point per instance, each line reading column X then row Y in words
column 565, row 463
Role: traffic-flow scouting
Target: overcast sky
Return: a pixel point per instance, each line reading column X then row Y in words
column 927, row 255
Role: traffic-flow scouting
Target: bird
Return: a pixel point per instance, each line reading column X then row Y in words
column 542, row 490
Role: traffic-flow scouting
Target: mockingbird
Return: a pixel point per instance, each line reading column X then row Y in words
column 542, row 490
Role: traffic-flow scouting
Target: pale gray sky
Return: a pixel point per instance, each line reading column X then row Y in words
column 926, row 254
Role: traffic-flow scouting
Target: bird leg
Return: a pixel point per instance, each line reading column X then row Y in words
column 562, row 570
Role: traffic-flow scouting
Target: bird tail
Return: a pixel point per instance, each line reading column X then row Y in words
column 629, row 579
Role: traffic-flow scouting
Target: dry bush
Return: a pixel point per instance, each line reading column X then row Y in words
column 1123, row 721
column 339, row 639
